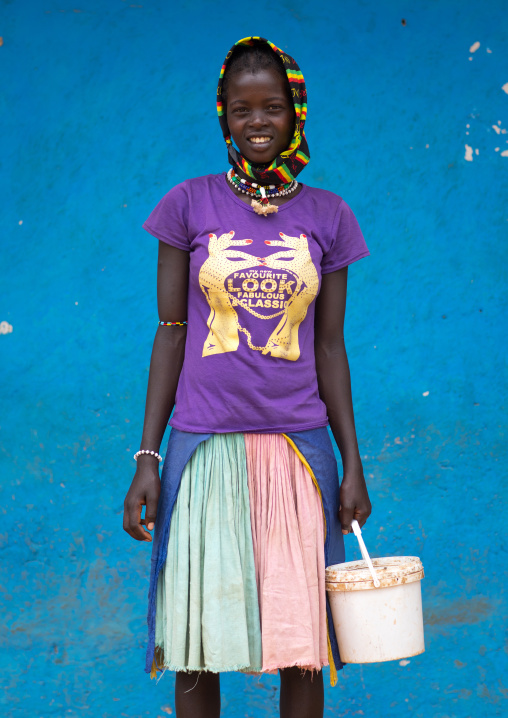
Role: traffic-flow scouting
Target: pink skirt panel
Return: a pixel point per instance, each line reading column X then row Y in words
column 288, row 537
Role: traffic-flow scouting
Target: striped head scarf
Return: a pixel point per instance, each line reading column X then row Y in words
column 288, row 164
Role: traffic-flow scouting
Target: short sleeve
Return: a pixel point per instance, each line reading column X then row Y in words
column 347, row 242
column 169, row 220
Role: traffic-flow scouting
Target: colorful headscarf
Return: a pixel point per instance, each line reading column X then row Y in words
column 288, row 164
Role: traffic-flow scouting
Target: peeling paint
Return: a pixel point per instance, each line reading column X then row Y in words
column 505, row 87
column 5, row 328
column 474, row 47
column 469, row 154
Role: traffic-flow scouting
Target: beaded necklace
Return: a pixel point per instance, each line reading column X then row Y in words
column 260, row 195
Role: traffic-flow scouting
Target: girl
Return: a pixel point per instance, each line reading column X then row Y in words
column 249, row 511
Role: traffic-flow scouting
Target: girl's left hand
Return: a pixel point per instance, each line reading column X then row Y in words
column 354, row 500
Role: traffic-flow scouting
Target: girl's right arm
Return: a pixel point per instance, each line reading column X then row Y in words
column 165, row 367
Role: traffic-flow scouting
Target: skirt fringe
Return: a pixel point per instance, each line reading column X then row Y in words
column 242, row 588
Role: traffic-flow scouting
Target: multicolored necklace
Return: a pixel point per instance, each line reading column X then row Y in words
column 260, row 195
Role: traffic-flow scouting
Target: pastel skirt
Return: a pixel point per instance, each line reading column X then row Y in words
column 243, row 584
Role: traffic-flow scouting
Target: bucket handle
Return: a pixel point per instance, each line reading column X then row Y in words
column 363, row 548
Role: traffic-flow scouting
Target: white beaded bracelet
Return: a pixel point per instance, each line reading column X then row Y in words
column 146, row 451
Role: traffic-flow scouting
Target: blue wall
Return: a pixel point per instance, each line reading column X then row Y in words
column 105, row 106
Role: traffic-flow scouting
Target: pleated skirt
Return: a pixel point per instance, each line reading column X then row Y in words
column 243, row 584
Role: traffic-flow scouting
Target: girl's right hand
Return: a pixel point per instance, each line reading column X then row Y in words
column 144, row 491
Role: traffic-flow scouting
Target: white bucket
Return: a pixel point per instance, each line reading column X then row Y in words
column 377, row 622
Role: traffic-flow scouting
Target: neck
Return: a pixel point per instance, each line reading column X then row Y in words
column 250, row 181
column 242, row 174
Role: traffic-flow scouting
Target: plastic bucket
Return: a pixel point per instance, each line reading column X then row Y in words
column 377, row 623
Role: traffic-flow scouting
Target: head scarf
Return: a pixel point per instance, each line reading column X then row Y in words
column 289, row 163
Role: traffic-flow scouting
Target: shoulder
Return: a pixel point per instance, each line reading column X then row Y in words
column 204, row 180
column 326, row 202
column 184, row 195
column 174, row 217
column 191, row 186
column 198, row 184
column 330, row 208
column 323, row 196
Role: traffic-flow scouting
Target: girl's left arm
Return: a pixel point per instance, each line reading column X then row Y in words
column 334, row 384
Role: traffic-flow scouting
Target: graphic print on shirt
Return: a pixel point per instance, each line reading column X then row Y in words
column 286, row 281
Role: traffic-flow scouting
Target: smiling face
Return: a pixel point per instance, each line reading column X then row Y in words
column 260, row 114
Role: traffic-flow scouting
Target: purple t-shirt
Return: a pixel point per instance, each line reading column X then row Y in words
column 249, row 355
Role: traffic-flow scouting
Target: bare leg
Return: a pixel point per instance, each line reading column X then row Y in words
column 197, row 695
column 301, row 696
